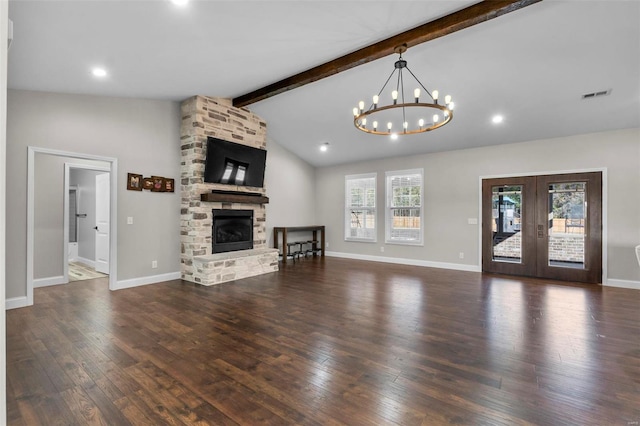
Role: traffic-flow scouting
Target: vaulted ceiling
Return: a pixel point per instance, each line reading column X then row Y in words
column 532, row 65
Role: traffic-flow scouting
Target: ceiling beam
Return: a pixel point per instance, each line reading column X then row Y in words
column 456, row 21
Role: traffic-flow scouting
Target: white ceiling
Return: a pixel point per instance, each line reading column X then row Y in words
column 531, row 65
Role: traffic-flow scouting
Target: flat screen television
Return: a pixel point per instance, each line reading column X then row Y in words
column 234, row 164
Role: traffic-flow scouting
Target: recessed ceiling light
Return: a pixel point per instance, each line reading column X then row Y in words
column 180, row 2
column 394, row 136
column 497, row 119
column 324, row 147
column 99, row 72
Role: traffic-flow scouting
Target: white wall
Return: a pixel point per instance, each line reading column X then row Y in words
column 290, row 184
column 142, row 134
column 452, row 195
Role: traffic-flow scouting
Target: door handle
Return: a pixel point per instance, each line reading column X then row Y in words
column 95, row 227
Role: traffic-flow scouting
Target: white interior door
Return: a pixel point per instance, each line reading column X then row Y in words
column 102, row 223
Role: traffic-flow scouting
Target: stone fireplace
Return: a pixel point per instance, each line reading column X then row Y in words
column 204, row 116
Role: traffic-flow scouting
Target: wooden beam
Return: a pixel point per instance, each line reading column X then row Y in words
column 456, row 21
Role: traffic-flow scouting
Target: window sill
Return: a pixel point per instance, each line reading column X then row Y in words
column 360, row 240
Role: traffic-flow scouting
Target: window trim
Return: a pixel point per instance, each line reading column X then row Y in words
column 374, row 209
column 389, row 216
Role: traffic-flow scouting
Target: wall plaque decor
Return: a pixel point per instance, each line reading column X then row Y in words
column 134, row 182
column 158, row 184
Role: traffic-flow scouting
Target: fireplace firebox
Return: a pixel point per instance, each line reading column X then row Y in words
column 232, row 230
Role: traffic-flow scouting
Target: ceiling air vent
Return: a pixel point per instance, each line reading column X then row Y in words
column 596, row 94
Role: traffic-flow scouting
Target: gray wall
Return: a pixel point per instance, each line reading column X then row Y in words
column 48, row 250
column 142, row 134
column 290, row 184
column 85, row 181
column 452, row 195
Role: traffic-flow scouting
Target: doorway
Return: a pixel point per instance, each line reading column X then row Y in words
column 112, row 166
column 547, row 226
column 87, row 209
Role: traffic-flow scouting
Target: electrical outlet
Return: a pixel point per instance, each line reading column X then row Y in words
column 382, row 249
column 327, row 245
column 129, row 220
column 461, row 255
column 154, row 264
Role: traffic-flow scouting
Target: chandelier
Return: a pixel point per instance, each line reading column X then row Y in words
column 402, row 116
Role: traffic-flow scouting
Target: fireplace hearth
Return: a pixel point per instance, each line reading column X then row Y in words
column 232, row 230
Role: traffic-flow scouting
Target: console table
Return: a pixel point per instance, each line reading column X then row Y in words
column 285, row 229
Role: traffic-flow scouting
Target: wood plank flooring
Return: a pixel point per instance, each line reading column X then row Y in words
column 328, row 341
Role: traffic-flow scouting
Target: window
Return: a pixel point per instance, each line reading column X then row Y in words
column 404, row 207
column 234, row 172
column 360, row 207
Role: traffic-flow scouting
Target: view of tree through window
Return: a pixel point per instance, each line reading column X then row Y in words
column 568, row 200
column 360, row 207
column 404, row 195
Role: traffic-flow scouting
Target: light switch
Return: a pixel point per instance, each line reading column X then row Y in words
column 129, row 220
column 472, row 221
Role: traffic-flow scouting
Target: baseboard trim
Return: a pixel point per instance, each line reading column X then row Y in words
column 153, row 279
column 88, row 262
column 635, row 285
column 15, row 302
column 46, row 282
column 403, row 261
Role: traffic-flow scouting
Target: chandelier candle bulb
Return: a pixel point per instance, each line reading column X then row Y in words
column 364, row 122
column 421, row 123
column 389, row 125
column 447, row 99
column 394, row 96
column 375, row 126
column 416, row 94
column 375, row 101
column 355, row 112
column 434, row 95
column 361, row 106
column 405, row 125
column 436, row 118
column 451, row 105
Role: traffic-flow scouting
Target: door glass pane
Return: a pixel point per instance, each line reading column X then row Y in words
column 567, row 221
column 506, row 206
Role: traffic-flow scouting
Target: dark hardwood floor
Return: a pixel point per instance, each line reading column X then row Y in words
column 328, row 341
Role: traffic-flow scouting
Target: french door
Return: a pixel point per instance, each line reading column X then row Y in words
column 543, row 226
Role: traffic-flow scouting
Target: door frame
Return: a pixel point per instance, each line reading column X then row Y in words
column 113, row 179
column 65, row 208
column 605, row 204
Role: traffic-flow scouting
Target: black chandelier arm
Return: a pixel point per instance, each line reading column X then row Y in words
column 420, row 83
column 384, row 85
column 404, row 115
column 398, row 87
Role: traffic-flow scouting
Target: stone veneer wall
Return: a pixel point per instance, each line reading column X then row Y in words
column 204, row 116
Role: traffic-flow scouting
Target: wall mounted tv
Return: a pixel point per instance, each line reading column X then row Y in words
column 234, row 164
